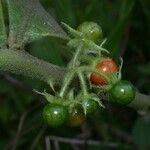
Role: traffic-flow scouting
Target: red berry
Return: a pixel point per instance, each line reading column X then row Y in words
column 107, row 67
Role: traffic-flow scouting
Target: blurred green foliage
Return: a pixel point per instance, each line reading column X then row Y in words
column 126, row 24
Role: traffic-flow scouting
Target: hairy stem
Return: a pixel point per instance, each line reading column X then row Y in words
column 82, row 83
column 74, row 60
column 68, row 78
column 22, row 63
column 69, row 75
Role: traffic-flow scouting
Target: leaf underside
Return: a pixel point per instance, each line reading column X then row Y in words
column 29, row 21
column 3, row 35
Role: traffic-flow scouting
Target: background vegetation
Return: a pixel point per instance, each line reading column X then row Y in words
column 126, row 24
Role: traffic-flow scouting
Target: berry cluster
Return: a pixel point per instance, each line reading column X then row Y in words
column 97, row 73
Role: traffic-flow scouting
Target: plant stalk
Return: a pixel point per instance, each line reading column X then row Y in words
column 68, row 78
column 22, row 63
column 82, row 83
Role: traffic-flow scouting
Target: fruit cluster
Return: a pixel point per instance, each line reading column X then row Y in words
column 96, row 71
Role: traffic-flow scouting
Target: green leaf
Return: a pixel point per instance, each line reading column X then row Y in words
column 141, row 133
column 29, row 21
column 3, row 36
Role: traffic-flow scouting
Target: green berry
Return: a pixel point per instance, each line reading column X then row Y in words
column 91, row 31
column 55, row 115
column 123, row 93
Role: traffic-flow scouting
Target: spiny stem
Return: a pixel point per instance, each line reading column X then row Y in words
column 120, row 68
column 69, row 76
column 82, row 82
column 74, row 60
column 103, row 42
column 95, row 46
column 71, row 31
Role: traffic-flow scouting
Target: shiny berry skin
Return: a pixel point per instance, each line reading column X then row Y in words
column 91, row 31
column 107, row 67
column 76, row 117
column 55, row 115
column 123, row 93
column 90, row 106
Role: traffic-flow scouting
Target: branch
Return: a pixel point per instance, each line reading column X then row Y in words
column 141, row 103
column 22, row 63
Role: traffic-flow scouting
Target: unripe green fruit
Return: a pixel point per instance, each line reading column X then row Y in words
column 55, row 115
column 123, row 93
column 91, row 31
column 90, row 106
